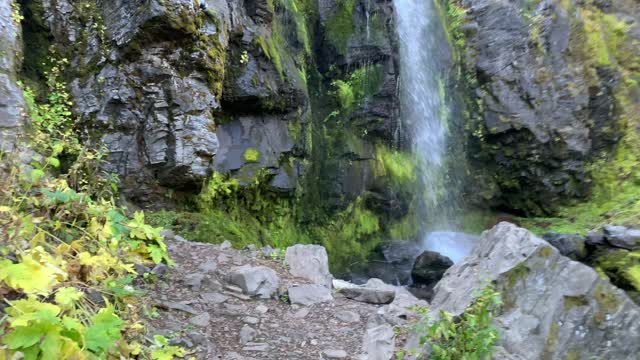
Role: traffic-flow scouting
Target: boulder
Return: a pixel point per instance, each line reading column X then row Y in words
column 570, row 245
column 309, row 294
column 309, row 262
column 554, row 308
column 255, row 281
column 622, row 237
column 378, row 342
column 369, row 295
column 429, row 268
column 12, row 107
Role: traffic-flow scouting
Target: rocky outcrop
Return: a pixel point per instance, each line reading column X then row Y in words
column 548, row 79
column 553, row 307
column 429, row 268
column 178, row 89
column 12, row 107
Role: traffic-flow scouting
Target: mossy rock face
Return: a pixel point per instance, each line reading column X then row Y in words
column 540, row 150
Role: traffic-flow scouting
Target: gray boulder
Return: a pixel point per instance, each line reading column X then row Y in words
column 309, row 262
column 554, row 308
column 309, row 294
column 12, row 107
column 571, row 245
column 622, row 237
column 369, row 295
column 255, row 281
column 378, row 342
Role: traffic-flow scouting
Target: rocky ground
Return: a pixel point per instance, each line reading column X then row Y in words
column 222, row 303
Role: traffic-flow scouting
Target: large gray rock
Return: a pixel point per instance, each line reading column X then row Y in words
column 255, row 281
column 309, row 294
column 309, row 262
column 622, row 237
column 12, row 107
column 554, row 308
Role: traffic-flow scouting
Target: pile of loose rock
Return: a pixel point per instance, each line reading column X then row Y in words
column 223, row 303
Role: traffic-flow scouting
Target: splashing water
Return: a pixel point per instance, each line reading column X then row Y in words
column 424, row 55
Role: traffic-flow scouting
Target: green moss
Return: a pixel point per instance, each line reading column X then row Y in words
column 340, row 26
column 453, row 15
column 552, row 342
column 572, row 355
column 476, row 221
column 571, row 302
column 516, row 274
column 622, row 267
column 361, row 84
column 607, row 300
column 251, row 155
column 546, row 251
column 400, row 166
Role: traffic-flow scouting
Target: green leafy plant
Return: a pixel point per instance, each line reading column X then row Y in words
column 470, row 336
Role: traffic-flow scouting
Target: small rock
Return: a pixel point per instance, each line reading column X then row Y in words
column 240, row 308
column 347, row 316
column 208, row 266
column 194, row 281
column 167, row 234
column 247, row 334
column 160, row 270
column 251, row 320
column 213, row 298
column 334, row 354
column 250, row 247
column 341, row 284
column 301, row 314
column 239, row 296
column 256, row 347
column 266, row 251
column 309, row 262
column 309, row 294
column 182, row 307
column 570, row 245
column 197, row 338
column 262, row 309
column 225, row 245
column 622, row 237
column 595, row 238
column 255, row 281
column 141, row 269
column 313, row 342
column 201, row 320
column 233, row 289
column 369, row 295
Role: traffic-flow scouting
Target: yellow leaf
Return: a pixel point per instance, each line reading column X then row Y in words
column 5, row 209
column 66, row 297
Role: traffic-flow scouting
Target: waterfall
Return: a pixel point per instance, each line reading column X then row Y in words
column 424, row 57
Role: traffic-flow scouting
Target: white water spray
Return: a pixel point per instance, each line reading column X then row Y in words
column 423, row 51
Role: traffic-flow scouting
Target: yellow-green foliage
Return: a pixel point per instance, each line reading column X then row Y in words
column 251, row 155
column 360, row 84
column 453, row 15
column 399, row 166
column 340, row 26
column 622, row 267
column 67, row 244
column 595, row 37
column 468, row 336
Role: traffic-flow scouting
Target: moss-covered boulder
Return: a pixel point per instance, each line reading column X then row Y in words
column 553, row 307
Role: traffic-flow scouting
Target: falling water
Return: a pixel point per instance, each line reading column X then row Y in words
column 424, row 54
